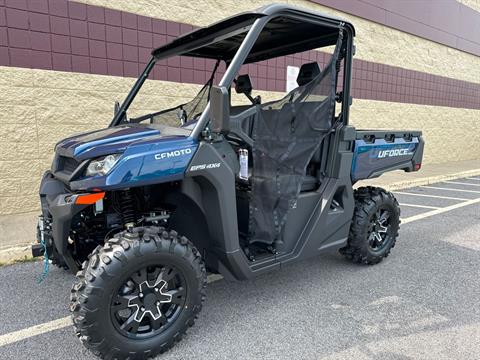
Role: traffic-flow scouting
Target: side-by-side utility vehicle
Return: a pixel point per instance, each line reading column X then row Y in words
column 146, row 207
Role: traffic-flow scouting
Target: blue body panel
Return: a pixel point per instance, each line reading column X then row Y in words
column 148, row 156
column 370, row 158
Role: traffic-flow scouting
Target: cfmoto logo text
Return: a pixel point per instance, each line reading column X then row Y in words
column 393, row 153
column 174, row 153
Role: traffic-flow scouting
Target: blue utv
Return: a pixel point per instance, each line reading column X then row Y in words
column 146, row 207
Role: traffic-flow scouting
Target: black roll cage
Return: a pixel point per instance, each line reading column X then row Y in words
column 251, row 24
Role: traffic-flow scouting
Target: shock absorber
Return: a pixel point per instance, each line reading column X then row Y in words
column 127, row 208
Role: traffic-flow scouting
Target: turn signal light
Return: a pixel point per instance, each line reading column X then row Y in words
column 418, row 167
column 89, row 199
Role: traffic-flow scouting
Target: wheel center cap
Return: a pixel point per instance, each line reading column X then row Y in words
column 149, row 300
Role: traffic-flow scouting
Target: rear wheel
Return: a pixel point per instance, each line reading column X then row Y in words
column 375, row 225
column 137, row 295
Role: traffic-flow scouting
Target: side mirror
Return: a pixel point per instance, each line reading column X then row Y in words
column 243, row 85
column 219, row 109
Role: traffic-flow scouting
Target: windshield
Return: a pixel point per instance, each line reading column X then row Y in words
column 180, row 112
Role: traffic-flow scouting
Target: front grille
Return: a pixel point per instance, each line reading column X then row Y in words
column 67, row 164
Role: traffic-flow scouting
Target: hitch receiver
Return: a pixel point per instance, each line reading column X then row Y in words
column 37, row 250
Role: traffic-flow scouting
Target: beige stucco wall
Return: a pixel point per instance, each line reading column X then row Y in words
column 374, row 42
column 40, row 107
column 474, row 4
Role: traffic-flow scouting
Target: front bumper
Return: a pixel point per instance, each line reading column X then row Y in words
column 58, row 210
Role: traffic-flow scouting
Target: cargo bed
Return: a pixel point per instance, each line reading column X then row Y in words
column 379, row 151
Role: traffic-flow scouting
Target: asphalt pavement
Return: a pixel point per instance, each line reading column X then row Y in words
column 422, row 302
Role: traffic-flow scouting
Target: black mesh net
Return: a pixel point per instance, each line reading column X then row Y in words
column 286, row 135
column 184, row 113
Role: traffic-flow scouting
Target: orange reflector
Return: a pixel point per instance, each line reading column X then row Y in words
column 89, row 199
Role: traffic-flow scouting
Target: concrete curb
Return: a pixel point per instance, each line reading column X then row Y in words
column 430, row 180
column 15, row 254
column 22, row 252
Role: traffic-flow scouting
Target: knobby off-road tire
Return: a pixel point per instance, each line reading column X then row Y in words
column 114, row 278
column 375, row 225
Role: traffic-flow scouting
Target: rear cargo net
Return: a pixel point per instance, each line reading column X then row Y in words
column 286, row 135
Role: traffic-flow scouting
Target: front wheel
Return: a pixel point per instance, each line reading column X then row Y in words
column 375, row 225
column 138, row 294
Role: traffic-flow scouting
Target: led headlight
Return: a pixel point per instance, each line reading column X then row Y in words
column 102, row 165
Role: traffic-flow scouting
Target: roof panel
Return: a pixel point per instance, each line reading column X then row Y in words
column 304, row 30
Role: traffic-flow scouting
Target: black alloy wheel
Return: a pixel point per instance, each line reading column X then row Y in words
column 138, row 294
column 149, row 301
column 380, row 230
column 374, row 228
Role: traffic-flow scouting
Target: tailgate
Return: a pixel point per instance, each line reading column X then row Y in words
column 376, row 152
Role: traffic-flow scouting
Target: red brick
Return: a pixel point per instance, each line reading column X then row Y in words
column 40, row 6
column 80, row 64
column 159, row 26
column 58, row 7
column 145, row 39
column 16, row 4
column 129, row 20
column 113, row 17
column 4, row 57
column 130, row 69
column 19, row 38
column 115, row 67
column 77, row 10
column 61, row 44
column 3, row 37
column 78, row 28
column 144, row 23
column 20, row 57
column 39, row 22
column 59, row 25
column 79, row 46
column 129, row 36
column 17, row 18
column 114, row 51
column 40, row 41
column 96, row 31
column 97, row 48
column 114, row 34
column 62, row 62
column 98, row 66
column 96, row 14
column 130, row 53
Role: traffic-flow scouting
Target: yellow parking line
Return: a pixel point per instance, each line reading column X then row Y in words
column 432, row 196
column 439, row 211
column 450, row 189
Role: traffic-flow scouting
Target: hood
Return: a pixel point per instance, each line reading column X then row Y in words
column 110, row 140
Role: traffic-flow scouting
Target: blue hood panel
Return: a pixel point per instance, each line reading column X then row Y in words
column 148, row 156
column 101, row 142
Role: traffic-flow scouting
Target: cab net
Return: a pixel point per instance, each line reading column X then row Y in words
column 286, row 135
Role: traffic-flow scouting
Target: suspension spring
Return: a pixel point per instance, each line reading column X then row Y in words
column 127, row 208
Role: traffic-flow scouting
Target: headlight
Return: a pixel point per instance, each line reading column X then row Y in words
column 102, row 166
